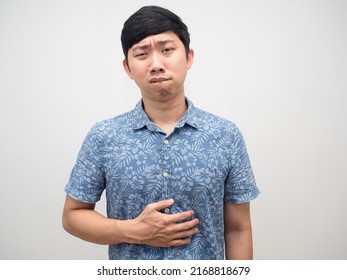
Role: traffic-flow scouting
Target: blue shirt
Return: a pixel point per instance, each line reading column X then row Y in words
column 202, row 164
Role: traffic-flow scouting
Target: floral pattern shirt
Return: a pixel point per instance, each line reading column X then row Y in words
column 202, row 164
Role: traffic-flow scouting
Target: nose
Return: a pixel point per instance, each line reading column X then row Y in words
column 156, row 64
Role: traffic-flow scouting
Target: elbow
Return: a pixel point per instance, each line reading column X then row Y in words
column 65, row 223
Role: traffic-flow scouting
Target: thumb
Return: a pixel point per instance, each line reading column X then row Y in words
column 163, row 204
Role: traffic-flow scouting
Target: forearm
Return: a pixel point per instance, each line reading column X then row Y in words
column 151, row 227
column 91, row 226
column 239, row 245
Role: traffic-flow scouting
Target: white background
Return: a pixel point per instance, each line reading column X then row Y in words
column 275, row 68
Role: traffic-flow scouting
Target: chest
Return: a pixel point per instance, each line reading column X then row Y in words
column 151, row 166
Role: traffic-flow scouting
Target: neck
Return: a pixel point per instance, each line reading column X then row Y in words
column 165, row 114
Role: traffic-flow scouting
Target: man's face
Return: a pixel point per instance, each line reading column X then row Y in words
column 158, row 64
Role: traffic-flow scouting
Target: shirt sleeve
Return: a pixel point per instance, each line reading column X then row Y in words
column 240, row 186
column 86, row 181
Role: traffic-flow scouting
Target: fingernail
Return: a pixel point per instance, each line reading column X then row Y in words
column 171, row 200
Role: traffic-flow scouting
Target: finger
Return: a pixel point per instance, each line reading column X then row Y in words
column 186, row 225
column 180, row 217
column 179, row 242
column 162, row 204
column 183, row 229
column 185, row 234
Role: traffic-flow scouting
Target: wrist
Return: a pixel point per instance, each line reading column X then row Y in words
column 128, row 231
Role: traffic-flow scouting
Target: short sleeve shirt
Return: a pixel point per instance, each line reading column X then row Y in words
column 202, row 164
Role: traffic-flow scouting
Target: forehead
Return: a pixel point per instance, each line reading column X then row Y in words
column 162, row 38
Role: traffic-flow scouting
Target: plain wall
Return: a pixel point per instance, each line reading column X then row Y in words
column 275, row 68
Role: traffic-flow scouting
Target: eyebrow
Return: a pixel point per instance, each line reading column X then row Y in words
column 164, row 42
column 146, row 46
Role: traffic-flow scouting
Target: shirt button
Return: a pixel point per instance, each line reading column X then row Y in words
column 165, row 174
column 167, row 210
column 166, row 141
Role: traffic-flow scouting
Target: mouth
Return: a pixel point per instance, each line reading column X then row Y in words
column 158, row 80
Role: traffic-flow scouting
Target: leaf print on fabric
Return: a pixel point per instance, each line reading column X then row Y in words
column 202, row 164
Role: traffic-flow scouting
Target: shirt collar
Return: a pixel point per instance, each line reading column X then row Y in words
column 140, row 118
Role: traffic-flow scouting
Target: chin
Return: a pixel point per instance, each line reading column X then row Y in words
column 165, row 94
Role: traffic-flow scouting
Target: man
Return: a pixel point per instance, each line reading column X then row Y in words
column 178, row 180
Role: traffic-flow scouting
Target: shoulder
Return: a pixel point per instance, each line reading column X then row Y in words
column 216, row 129
column 111, row 127
column 213, row 122
column 121, row 120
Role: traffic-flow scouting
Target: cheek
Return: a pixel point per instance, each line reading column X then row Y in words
column 137, row 69
column 181, row 70
column 138, row 75
column 181, row 64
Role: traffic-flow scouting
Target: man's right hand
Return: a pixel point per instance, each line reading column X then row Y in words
column 155, row 228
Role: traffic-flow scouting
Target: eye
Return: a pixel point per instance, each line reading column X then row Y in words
column 140, row 54
column 168, row 50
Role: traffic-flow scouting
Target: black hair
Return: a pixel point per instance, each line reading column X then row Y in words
column 152, row 20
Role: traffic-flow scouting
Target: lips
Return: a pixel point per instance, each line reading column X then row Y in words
column 158, row 80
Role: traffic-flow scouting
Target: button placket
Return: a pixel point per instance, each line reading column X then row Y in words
column 165, row 173
column 166, row 158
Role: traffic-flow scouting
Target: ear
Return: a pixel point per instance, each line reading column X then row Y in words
column 190, row 59
column 127, row 69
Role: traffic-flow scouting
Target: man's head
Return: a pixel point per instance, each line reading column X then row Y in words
column 152, row 20
column 157, row 54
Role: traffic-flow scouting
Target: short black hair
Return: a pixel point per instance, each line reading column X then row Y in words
column 152, row 20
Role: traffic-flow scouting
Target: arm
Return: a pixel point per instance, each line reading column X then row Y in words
column 151, row 227
column 238, row 231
